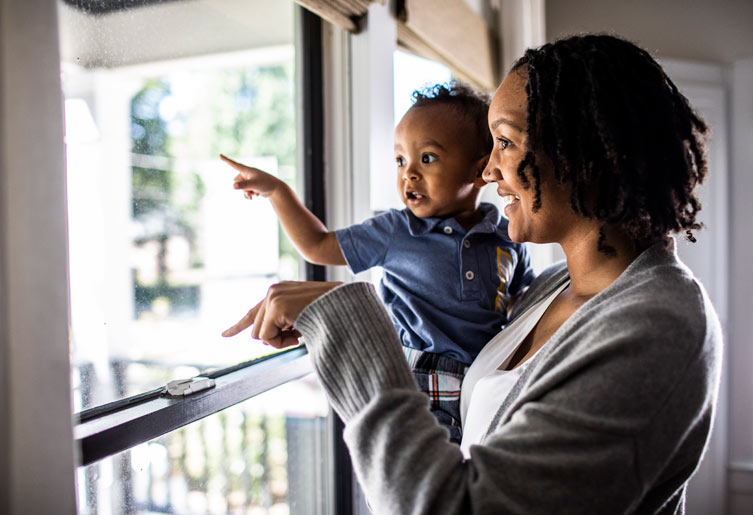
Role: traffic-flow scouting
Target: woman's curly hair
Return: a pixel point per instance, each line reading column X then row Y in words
column 618, row 132
column 469, row 102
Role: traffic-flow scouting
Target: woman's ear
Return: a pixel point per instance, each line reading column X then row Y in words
column 479, row 167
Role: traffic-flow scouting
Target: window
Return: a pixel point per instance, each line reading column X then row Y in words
column 164, row 255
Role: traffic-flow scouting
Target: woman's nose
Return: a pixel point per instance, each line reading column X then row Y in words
column 491, row 172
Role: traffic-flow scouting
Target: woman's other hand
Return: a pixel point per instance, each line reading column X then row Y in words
column 273, row 317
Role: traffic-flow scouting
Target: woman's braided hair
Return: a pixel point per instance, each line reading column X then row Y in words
column 618, row 132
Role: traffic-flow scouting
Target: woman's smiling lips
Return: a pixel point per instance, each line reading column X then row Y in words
column 509, row 200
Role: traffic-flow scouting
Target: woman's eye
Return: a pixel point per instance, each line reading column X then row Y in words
column 400, row 161
column 428, row 158
column 503, row 143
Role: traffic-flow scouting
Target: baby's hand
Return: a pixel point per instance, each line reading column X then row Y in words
column 252, row 181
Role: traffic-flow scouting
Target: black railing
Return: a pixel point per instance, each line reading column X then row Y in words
column 241, row 459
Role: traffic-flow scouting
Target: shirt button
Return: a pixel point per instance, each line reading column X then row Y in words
column 467, row 244
column 469, row 275
column 448, row 230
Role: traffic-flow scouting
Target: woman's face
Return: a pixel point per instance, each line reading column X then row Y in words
column 507, row 123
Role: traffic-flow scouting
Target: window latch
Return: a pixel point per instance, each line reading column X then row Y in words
column 180, row 387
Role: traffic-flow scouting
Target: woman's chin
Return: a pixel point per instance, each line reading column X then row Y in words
column 516, row 239
column 516, row 235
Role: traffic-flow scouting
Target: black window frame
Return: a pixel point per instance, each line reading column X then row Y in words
column 115, row 427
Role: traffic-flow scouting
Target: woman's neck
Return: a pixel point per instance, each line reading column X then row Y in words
column 592, row 270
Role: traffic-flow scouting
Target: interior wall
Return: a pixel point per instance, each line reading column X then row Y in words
column 740, row 343
column 701, row 30
column 718, row 32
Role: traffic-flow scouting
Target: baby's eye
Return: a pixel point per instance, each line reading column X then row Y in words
column 428, row 158
column 400, row 161
column 503, row 143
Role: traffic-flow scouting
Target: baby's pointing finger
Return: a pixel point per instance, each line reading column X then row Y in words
column 228, row 160
column 235, row 164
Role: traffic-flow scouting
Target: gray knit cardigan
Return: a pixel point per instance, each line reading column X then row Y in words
column 611, row 416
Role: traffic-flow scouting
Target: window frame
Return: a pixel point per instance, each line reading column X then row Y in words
column 118, row 426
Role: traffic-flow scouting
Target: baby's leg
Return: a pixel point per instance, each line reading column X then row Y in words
column 440, row 378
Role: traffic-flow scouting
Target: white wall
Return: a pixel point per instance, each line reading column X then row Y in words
column 37, row 469
column 718, row 33
column 740, row 344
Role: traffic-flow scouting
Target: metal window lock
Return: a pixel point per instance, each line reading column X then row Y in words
column 189, row 386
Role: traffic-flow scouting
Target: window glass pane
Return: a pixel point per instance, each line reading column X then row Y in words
column 164, row 254
column 268, row 455
column 411, row 73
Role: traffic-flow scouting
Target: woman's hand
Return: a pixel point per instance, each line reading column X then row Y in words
column 273, row 317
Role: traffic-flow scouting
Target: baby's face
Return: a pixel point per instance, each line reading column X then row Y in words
column 437, row 174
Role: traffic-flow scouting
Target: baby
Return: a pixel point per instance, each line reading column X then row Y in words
column 450, row 269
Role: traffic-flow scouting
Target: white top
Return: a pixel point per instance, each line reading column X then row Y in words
column 485, row 385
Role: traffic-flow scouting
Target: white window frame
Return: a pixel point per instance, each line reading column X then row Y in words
column 37, row 470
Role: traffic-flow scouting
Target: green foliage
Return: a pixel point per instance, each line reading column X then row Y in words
column 255, row 113
column 151, row 186
column 193, row 116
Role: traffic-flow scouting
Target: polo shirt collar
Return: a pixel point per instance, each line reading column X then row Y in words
column 490, row 222
column 419, row 226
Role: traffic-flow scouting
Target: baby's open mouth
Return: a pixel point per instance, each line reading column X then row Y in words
column 412, row 195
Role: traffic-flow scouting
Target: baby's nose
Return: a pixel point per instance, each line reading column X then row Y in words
column 409, row 174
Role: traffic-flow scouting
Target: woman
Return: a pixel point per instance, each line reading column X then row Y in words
column 599, row 395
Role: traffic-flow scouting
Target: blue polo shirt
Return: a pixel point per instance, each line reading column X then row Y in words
column 446, row 289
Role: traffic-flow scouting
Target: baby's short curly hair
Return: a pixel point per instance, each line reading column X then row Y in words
column 468, row 101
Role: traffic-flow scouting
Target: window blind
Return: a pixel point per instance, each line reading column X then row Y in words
column 344, row 13
column 449, row 31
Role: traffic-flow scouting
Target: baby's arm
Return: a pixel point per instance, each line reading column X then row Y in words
column 312, row 239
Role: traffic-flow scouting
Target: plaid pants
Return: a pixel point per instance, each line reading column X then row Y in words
column 440, row 377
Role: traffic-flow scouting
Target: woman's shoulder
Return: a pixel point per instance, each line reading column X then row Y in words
column 656, row 308
column 658, row 282
column 651, row 330
column 655, row 290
